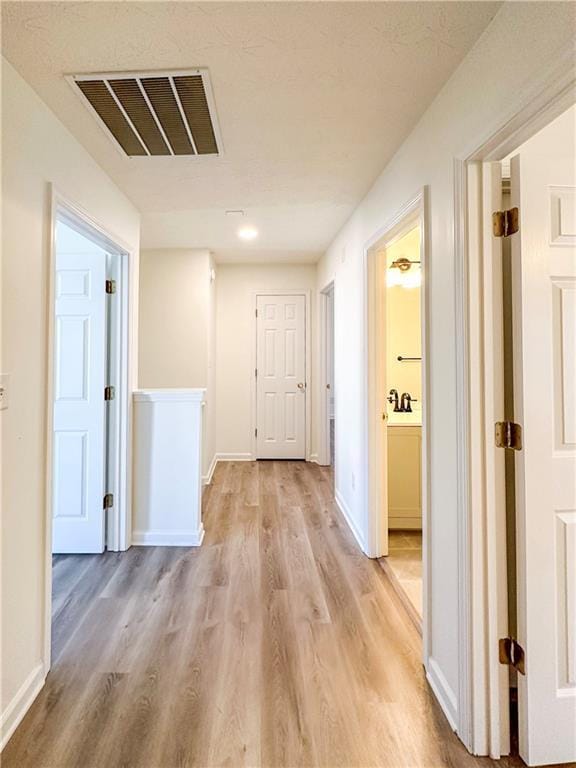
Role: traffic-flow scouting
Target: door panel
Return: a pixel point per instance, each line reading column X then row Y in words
column 79, row 380
column 544, row 305
column 281, row 377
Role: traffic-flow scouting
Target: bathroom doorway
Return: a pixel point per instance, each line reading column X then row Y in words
column 397, row 375
column 403, row 281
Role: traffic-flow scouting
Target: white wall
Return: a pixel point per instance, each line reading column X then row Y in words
column 481, row 96
column 36, row 151
column 173, row 329
column 177, row 328
column 235, row 344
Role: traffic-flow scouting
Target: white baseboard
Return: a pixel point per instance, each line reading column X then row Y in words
column 168, row 538
column 343, row 507
column 444, row 694
column 21, row 703
column 314, row 458
column 207, row 478
column 234, row 457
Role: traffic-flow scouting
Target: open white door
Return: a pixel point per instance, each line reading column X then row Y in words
column 281, row 377
column 544, row 274
column 79, row 381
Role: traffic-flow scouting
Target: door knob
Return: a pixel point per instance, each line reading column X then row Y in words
column 300, row 385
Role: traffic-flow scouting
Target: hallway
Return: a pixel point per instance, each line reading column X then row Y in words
column 275, row 644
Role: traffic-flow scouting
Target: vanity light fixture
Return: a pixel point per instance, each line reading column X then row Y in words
column 400, row 273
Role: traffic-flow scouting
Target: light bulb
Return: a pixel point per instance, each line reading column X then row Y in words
column 248, row 233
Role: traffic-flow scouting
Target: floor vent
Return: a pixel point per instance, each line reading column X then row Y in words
column 154, row 114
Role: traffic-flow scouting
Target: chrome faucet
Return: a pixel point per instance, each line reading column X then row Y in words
column 393, row 398
column 406, row 402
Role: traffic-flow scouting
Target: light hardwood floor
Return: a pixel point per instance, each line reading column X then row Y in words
column 404, row 567
column 277, row 644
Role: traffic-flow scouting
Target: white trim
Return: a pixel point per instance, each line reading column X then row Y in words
column 443, row 692
column 547, row 97
column 207, row 478
column 308, row 362
column 233, row 457
column 23, row 699
column 170, row 395
column 470, row 719
column 168, row 538
column 342, row 506
column 123, row 490
column 314, row 458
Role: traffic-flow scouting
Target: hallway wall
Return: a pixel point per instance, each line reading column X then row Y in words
column 235, row 344
column 28, row 168
column 173, row 330
column 177, row 328
column 513, row 54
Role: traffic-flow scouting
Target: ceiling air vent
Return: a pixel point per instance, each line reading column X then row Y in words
column 161, row 113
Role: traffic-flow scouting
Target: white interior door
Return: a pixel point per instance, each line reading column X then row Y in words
column 79, row 381
column 544, row 268
column 281, row 377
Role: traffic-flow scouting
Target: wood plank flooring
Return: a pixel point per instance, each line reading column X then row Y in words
column 275, row 644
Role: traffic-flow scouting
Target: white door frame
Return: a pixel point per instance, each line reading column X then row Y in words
column 308, row 363
column 482, row 699
column 413, row 213
column 323, row 456
column 119, row 529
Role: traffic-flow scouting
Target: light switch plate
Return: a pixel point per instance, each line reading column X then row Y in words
column 4, row 390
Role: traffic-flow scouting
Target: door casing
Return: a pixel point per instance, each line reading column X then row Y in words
column 253, row 388
column 118, row 531
column 481, row 698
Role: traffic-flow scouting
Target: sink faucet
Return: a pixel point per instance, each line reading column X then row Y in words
column 393, row 398
column 406, row 402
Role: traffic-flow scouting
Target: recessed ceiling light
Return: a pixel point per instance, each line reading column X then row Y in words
column 248, row 233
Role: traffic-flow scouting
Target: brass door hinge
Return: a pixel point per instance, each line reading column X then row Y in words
column 108, row 501
column 110, row 286
column 505, row 223
column 510, row 652
column 508, row 434
column 109, row 393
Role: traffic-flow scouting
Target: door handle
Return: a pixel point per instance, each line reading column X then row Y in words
column 300, row 385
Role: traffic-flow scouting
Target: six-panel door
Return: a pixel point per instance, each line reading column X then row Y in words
column 281, row 377
column 79, row 380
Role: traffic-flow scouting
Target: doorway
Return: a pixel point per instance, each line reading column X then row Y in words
column 83, row 391
column 397, row 450
column 525, row 282
column 403, row 363
column 327, row 409
column 88, row 426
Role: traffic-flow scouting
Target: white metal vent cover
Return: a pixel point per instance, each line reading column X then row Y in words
column 154, row 113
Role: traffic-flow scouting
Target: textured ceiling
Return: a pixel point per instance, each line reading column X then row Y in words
column 312, row 98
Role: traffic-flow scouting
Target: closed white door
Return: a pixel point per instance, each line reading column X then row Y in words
column 281, row 377
column 79, row 381
column 544, row 268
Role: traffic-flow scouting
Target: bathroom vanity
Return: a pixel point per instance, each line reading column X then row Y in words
column 404, row 470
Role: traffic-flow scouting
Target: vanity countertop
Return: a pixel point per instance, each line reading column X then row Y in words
column 413, row 419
